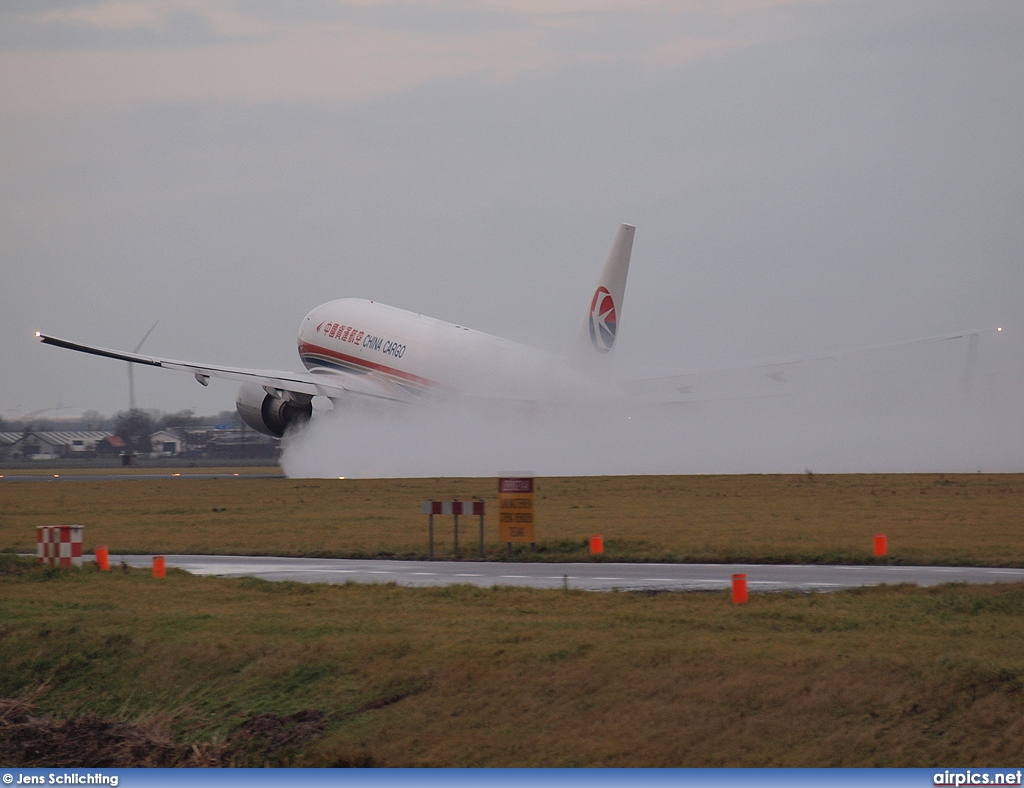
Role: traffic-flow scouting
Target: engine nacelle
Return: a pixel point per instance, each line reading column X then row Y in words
column 269, row 413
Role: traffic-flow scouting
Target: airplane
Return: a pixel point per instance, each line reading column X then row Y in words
column 355, row 349
column 359, row 350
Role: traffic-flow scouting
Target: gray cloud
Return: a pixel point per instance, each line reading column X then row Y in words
column 49, row 27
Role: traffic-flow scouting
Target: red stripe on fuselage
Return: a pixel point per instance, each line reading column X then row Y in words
column 305, row 347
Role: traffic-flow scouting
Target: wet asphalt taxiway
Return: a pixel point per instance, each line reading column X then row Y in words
column 598, row 576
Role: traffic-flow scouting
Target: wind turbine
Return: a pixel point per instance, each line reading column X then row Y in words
column 131, row 379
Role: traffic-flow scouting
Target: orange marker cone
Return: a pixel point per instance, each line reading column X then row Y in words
column 881, row 548
column 103, row 559
column 739, row 589
column 597, row 545
column 159, row 566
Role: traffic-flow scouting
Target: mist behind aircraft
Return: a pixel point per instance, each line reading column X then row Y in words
column 905, row 410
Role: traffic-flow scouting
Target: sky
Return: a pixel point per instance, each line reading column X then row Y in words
column 804, row 176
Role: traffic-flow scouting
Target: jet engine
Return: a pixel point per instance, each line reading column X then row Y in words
column 272, row 411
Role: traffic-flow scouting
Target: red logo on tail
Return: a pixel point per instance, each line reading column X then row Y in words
column 602, row 320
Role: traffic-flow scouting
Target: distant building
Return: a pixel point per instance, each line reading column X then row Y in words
column 166, row 443
column 231, row 444
column 227, row 443
column 7, row 441
column 45, row 445
column 111, row 446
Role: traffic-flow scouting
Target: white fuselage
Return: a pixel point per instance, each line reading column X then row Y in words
column 428, row 357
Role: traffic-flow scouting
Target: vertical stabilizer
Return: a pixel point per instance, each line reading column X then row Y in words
column 604, row 308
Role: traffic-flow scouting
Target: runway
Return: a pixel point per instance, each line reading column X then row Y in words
column 582, row 576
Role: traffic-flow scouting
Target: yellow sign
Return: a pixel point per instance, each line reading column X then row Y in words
column 515, row 510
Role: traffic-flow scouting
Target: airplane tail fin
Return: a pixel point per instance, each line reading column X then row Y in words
column 604, row 310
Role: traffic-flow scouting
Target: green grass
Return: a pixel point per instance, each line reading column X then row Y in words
column 513, row 677
column 928, row 518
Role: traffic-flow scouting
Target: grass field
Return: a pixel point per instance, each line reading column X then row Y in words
column 253, row 672
column 928, row 519
column 122, row 669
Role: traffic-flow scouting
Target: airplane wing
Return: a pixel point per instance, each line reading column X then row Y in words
column 767, row 378
column 335, row 385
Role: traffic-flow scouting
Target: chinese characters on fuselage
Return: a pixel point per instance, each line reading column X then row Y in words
column 356, row 337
